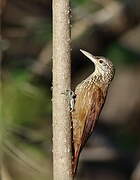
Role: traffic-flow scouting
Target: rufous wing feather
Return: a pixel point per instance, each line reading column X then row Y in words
column 89, row 102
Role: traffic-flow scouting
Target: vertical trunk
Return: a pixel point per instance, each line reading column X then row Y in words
column 61, row 82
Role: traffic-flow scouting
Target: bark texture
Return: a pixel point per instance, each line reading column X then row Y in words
column 61, row 83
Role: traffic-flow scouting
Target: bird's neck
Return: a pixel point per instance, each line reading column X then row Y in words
column 98, row 79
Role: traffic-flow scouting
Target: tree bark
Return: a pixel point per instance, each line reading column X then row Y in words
column 62, row 167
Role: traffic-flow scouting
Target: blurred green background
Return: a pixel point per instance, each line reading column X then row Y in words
column 110, row 28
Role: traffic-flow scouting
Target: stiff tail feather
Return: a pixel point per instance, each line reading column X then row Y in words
column 75, row 161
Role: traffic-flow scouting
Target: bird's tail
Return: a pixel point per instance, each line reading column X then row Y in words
column 75, row 161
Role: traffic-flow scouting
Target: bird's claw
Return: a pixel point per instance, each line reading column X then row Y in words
column 71, row 95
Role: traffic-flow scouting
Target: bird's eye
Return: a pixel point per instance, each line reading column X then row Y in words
column 100, row 61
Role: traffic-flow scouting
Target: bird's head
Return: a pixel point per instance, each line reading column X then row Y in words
column 104, row 69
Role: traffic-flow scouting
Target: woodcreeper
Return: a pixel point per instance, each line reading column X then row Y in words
column 90, row 97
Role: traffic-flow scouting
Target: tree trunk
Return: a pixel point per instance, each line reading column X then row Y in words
column 62, row 167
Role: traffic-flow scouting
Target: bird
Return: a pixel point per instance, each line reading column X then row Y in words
column 90, row 96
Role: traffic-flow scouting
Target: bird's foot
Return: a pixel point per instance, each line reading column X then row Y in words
column 71, row 96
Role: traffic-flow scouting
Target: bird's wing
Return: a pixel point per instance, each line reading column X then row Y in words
column 89, row 102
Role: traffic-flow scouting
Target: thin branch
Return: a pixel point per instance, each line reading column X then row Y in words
column 61, row 82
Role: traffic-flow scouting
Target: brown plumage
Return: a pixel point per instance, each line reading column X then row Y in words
column 90, row 97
